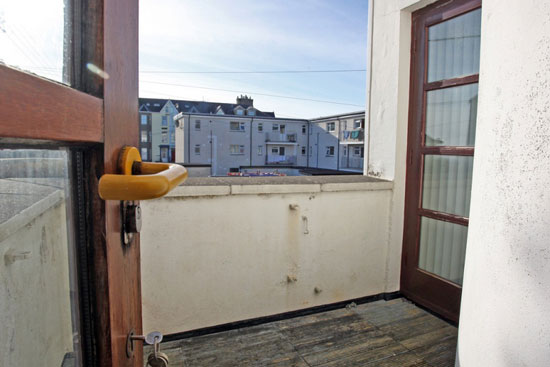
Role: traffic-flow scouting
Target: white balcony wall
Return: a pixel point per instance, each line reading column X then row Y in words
column 506, row 295
column 218, row 254
column 33, row 291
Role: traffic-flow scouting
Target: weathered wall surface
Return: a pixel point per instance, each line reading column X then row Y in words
column 388, row 115
column 506, row 295
column 217, row 254
column 35, row 309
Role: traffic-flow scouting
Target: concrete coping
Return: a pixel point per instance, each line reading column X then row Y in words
column 223, row 186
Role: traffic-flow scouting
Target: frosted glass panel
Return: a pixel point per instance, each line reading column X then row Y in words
column 442, row 248
column 451, row 116
column 453, row 47
column 447, row 184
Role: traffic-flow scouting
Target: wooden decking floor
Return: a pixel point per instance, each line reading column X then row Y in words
column 392, row 333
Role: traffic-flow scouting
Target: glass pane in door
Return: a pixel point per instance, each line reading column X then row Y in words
column 453, row 47
column 38, row 286
column 447, row 183
column 442, row 248
column 32, row 36
column 451, row 116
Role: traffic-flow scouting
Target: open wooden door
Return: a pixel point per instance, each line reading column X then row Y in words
column 88, row 121
column 441, row 139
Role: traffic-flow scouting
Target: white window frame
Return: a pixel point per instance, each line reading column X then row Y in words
column 357, row 151
column 144, row 154
column 330, row 151
column 197, row 125
column 164, row 121
column 236, row 149
column 331, row 126
column 164, row 137
column 260, row 150
column 303, row 150
column 260, row 127
column 304, row 130
column 197, row 149
column 145, row 120
column 275, row 127
column 239, row 125
column 144, row 136
column 356, row 123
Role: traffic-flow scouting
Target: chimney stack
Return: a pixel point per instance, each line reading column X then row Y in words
column 245, row 101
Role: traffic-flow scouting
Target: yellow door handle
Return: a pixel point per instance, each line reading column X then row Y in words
column 140, row 180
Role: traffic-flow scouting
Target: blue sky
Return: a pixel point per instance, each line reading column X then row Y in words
column 246, row 35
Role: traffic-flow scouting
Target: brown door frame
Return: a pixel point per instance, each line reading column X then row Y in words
column 99, row 119
column 430, row 290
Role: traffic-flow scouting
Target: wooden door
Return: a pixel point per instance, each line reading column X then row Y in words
column 441, row 139
column 93, row 119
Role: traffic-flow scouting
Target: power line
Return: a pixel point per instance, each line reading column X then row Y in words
column 253, row 72
column 261, row 94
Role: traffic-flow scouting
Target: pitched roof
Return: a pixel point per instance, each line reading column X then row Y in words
column 155, row 105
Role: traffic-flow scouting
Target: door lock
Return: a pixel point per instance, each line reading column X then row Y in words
column 131, row 220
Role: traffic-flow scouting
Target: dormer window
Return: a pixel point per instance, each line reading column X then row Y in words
column 251, row 111
column 239, row 112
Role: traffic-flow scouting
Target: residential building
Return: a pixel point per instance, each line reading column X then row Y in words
column 156, row 130
column 231, row 136
column 229, row 143
column 338, row 142
column 156, row 120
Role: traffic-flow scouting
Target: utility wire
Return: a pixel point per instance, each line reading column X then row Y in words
column 256, row 93
column 253, row 72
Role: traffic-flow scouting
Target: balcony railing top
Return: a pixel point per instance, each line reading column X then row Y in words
column 283, row 138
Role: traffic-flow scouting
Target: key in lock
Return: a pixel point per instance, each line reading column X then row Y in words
column 155, row 358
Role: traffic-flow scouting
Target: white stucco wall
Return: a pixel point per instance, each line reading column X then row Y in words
column 388, row 91
column 218, row 254
column 506, row 294
column 35, row 308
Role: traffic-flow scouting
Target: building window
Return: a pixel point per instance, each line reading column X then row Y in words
column 251, row 113
column 197, row 124
column 282, row 129
column 345, row 150
column 236, row 126
column 303, row 150
column 260, row 127
column 260, row 150
column 239, row 112
column 330, row 151
column 172, row 138
column 331, row 126
column 356, row 150
column 275, row 127
column 164, row 154
column 168, row 109
column 164, row 138
column 143, row 119
column 164, row 120
column 197, row 149
column 144, row 154
column 357, row 124
column 236, row 149
column 143, row 136
column 304, row 129
column 275, row 150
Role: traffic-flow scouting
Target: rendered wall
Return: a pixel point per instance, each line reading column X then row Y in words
column 35, row 309
column 506, row 295
column 218, row 254
column 388, row 115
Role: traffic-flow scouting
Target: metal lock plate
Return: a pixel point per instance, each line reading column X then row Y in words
column 131, row 220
